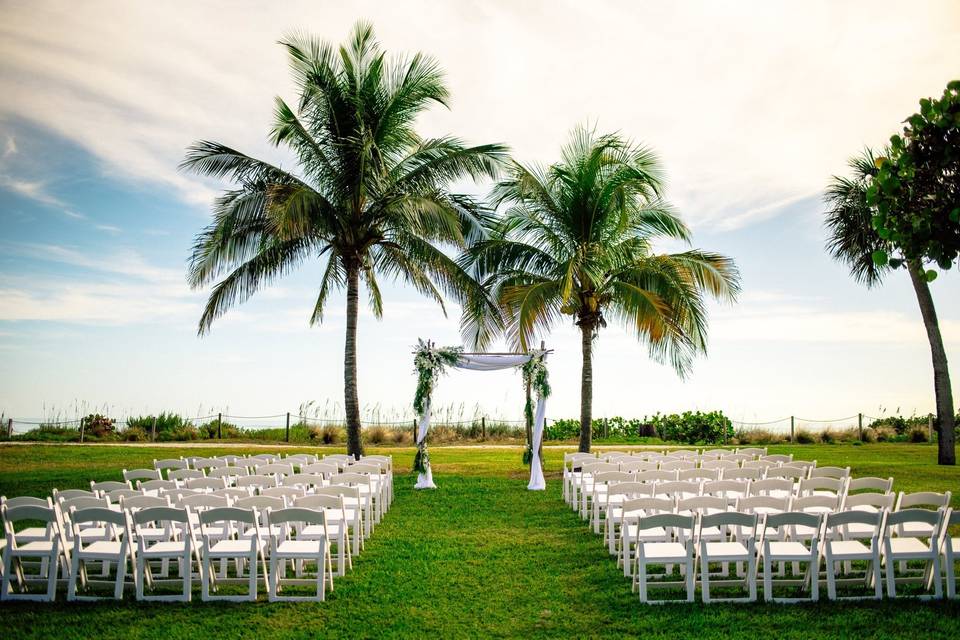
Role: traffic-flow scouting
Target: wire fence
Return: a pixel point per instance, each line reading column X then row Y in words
column 478, row 426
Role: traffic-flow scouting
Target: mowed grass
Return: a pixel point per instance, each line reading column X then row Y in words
column 481, row 556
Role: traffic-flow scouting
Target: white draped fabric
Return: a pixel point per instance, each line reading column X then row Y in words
column 488, row 362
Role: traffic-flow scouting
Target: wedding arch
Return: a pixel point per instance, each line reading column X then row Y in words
column 431, row 362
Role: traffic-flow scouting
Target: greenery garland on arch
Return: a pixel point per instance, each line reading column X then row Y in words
column 535, row 377
column 430, row 363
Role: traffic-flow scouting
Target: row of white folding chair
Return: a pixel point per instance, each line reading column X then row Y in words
column 175, row 539
column 744, row 538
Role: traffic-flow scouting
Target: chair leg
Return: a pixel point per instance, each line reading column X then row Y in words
column 321, row 578
column 814, row 572
column 891, row 581
column 877, row 583
column 121, row 576
column 705, row 578
column 831, row 578
column 937, row 590
column 72, row 579
column 767, row 580
column 187, row 567
column 252, row 570
column 752, row 578
column 642, row 579
column 52, row 577
column 205, row 570
column 691, row 579
column 272, row 590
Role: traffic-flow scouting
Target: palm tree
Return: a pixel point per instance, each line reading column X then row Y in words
column 576, row 239
column 853, row 241
column 369, row 197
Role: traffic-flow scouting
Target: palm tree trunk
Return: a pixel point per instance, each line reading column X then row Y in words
column 586, row 386
column 945, row 423
column 350, row 402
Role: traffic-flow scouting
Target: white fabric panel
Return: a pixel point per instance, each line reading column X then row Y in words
column 424, row 480
column 537, row 481
column 491, row 363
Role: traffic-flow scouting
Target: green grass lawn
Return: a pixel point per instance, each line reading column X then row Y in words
column 481, row 556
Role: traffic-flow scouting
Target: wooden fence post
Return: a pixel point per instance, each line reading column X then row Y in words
column 9, row 427
column 288, row 426
column 483, row 427
column 219, row 425
column 82, row 425
column 860, row 427
column 153, row 430
column 793, row 434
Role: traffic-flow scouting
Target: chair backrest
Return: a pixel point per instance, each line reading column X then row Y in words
column 204, row 501
column 834, row 485
column 757, row 464
column 351, row 479
column 768, row 485
column 299, row 459
column 227, row 514
column 185, row 474
column 708, row 454
column 572, row 460
column 777, row 458
column 295, row 514
column 747, row 522
column 597, row 467
column 70, row 494
column 360, row 467
column 207, row 463
column 648, row 506
column 207, row 484
column 287, row 493
column 156, row 485
column 794, row 473
column 698, row 474
column 302, row 480
column 677, row 488
column 763, row 504
column 753, row 451
column 844, row 518
column 726, row 488
column 746, row 473
column 702, row 504
column 338, row 490
column 677, row 465
column 806, row 465
column 612, row 456
column 630, row 489
column 319, row 502
column 143, row 502
column 667, row 520
column 830, row 472
column 98, row 515
column 228, row 472
column 320, row 468
column 261, row 503
column 921, row 498
column 740, row 458
column 896, row 519
column 611, row 476
column 170, row 463
column 685, row 454
column 117, row 494
column 257, row 481
column 816, row 503
column 276, row 468
column 875, row 500
column 160, row 514
column 655, row 476
column 108, row 485
column 884, row 485
column 234, row 493
column 264, row 458
column 719, row 463
column 637, row 465
column 83, row 502
column 141, row 474
column 11, row 515
column 24, row 501
column 796, row 518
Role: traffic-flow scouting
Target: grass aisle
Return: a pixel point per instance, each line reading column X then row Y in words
column 481, row 556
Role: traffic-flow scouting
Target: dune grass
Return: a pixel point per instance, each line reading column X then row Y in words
column 481, row 556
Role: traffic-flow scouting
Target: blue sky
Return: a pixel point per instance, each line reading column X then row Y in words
column 752, row 106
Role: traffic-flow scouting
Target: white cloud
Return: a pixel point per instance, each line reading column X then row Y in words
column 10, row 147
column 751, row 104
column 109, row 228
column 37, row 191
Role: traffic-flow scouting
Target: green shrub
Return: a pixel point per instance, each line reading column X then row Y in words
column 693, row 427
column 402, row 436
column 134, row 434
column 563, row 429
column 918, row 434
column 869, row 435
column 806, row 437
column 331, row 434
column 166, row 423
column 97, row 426
column 376, row 434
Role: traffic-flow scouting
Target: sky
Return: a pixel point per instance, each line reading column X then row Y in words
column 751, row 106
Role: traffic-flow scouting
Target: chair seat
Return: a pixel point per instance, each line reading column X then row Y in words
column 101, row 548
column 265, row 532
column 664, row 551
column 38, row 547
column 859, row 530
column 726, row 550
column 657, row 533
column 916, row 530
column 33, row 533
column 908, row 546
column 300, row 548
column 232, row 547
column 168, row 548
column 789, row 551
column 852, row 549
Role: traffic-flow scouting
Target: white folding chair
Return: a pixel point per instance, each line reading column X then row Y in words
column 837, row 550
column 104, row 487
column 116, row 549
column 904, row 548
column 598, row 499
column 699, row 475
column 798, row 549
column 950, row 550
column 334, row 529
column 883, row 485
column 169, row 463
column 141, row 474
column 353, row 512
column 246, row 551
column 745, row 473
column 631, row 536
column 736, row 549
column 617, row 494
column 288, row 547
column 679, row 550
column 179, row 545
column 257, row 481
column 185, row 474
column 17, row 549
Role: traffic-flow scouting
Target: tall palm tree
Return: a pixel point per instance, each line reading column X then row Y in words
column 576, row 239
column 853, row 241
column 369, row 197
